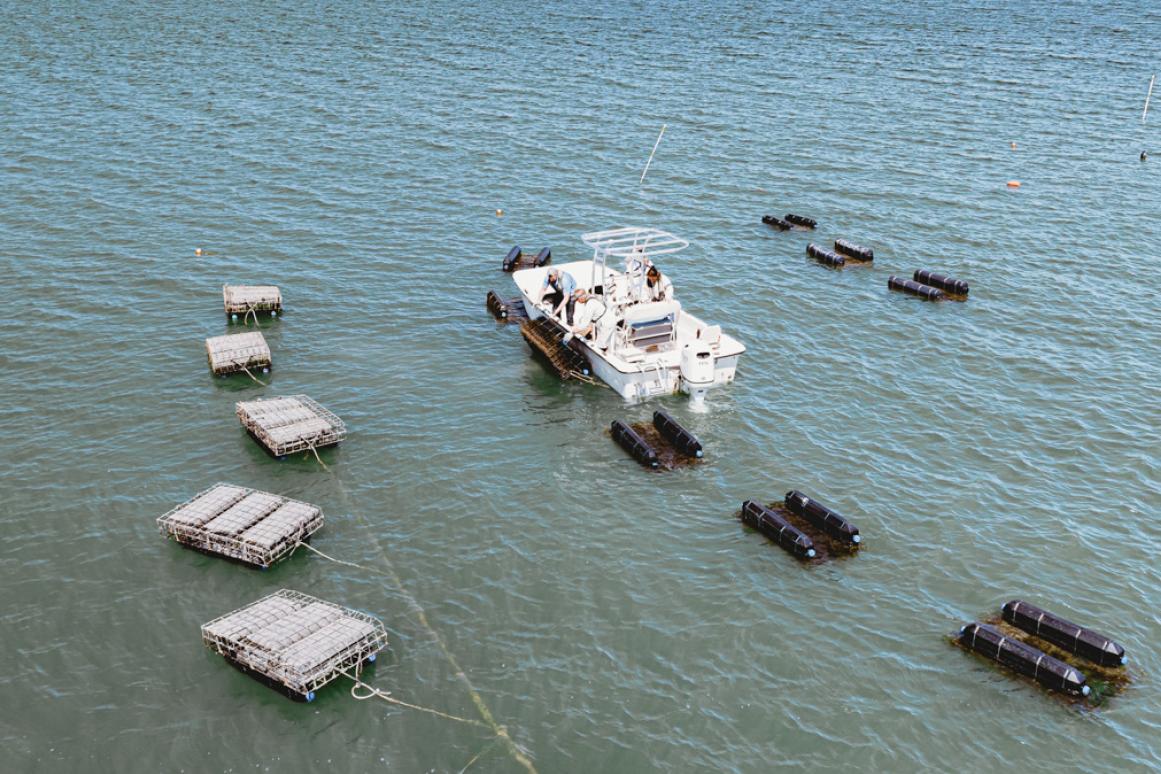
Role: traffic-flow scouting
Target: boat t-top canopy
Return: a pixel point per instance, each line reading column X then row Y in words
column 621, row 242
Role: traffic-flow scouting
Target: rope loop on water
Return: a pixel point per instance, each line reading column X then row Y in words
column 375, row 693
column 518, row 753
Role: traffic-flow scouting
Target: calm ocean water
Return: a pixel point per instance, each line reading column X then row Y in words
column 612, row 620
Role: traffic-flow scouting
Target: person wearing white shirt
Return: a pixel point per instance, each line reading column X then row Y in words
column 658, row 287
column 591, row 320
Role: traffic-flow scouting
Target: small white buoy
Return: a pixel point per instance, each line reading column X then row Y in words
column 273, row 313
column 234, row 316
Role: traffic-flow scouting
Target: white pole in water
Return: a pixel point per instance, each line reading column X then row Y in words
column 650, row 161
column 1150, row 94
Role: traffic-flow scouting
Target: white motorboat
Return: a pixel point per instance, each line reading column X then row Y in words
column 640, row 345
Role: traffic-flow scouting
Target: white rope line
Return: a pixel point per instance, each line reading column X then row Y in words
column 310, row 448
column 329, row 558
column 518, row 753
column 376, row 693
column 255, row 378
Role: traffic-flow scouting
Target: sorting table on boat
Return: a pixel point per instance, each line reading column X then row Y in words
column 257, row 528
column 289, row 424
column 295, row 643
column 237, row 352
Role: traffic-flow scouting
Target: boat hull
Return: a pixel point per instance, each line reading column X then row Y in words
column 650, row 381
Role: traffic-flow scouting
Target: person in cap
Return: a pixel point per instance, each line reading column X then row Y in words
column 557, row 291
column 591, row 320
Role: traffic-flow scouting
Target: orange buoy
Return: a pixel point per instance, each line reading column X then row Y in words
column 499, row 213
column 1013, row 146
column 198, row 251
column 1013, row 183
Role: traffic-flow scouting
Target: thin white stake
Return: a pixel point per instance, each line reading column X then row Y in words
column 650, row 161
column 1150, row 94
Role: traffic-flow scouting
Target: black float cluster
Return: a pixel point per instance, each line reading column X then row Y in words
column 516, row 259
column 1037, row 644
column 926, row 284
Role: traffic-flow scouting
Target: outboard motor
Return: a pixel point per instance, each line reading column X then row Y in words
column 697, row 370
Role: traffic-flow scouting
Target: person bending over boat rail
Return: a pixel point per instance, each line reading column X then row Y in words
column 557, row 290
column 657, row 286
column 591, row 320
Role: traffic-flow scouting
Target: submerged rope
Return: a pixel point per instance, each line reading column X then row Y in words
column 310, row 448
column 255, row 378
column 517, row 753
column 477, row 756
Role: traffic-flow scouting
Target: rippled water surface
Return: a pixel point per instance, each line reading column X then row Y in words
column 612, row 620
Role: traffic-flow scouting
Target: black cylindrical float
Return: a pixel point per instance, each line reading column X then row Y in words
column 1091, row 645
column 543, row 257
column 777, row 223
column 915, row 288
column 777, row 529
column 826, row 256
column 1025, row 659
column 800, row 220
column 821, row 516
column 851, row 250
column 941, row 281
column 512, row 258
column 634, row 444
column 684, row 441
column 496, row 305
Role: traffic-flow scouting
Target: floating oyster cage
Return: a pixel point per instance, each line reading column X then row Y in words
column 804, row 527
column 257, row 528
column 289, row 424
column 546, row 338
column 241, row 299
column 505, row 310
column 661, row 445
column 237, row 352
column 1077, row 664
column 294, row 642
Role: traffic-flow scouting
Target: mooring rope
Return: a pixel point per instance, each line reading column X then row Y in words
column 517, row 753
column 587, row 379
column 250, row 310
column 255, row 378
column 377, row 693
column 478, row 755
column 310, row 448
